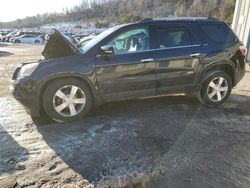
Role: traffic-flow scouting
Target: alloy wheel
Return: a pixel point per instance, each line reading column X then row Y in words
column 69, row 100
column 217, row 89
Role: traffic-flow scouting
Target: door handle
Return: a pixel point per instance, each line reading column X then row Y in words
column 147, row 60
column 195, row 55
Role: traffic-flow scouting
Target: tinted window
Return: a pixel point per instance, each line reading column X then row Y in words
column 31, row 36
column 28, row 36
column 174, row 37
column 131, row 41
column 97, row 39
column 219, row 33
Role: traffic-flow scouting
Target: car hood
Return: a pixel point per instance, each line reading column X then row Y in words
column 59, row 45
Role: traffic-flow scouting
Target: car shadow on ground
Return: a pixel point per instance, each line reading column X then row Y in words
column 126, row 137
column 4, row 53
column 11, row 154
column 118, row 133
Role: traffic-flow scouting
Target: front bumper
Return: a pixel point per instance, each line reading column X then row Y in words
column 25, row 92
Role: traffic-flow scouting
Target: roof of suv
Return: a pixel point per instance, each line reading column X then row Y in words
column 177, row 19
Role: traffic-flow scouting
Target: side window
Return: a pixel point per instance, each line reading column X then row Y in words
column 131, row 41
column 174, row 37
column 28, row 36
column 219, row 33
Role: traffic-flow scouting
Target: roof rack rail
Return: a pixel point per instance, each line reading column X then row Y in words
column 211, row 18
column 145, row 20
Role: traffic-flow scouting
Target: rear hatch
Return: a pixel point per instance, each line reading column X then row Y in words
column 59, row 45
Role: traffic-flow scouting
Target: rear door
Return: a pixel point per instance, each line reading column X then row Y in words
column 23, row 39
column 129, row 73
column 27, row 38
column 31, row 39
column 177, row 54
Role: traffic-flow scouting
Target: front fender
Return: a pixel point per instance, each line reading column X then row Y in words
column 89, row 80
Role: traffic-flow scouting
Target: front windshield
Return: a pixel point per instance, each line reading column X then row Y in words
column 97, row 39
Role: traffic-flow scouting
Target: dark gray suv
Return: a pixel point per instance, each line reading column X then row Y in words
column 147, row 58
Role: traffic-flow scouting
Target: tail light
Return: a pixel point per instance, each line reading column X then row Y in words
column 243, row 51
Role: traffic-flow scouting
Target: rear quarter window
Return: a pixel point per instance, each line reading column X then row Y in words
column 218, row 33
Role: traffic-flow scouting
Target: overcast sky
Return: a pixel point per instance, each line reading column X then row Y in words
column 14, row 9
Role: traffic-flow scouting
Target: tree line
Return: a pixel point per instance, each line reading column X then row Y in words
column 103, row 12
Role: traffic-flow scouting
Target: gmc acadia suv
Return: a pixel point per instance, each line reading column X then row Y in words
column 147, row 58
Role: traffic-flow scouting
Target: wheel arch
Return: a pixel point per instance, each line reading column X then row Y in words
column 17, row 40
column 87, row 81
column 226, row 66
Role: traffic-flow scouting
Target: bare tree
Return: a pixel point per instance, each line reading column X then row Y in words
column 119, row 11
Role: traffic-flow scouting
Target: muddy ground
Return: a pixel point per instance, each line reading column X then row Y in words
column 166, row 142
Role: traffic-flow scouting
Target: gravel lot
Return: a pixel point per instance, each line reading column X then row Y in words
column 166, row 142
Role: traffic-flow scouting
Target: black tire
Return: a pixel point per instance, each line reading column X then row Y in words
column 54, row 87
column 37, row 41
column 17, row 41
column 203, row 93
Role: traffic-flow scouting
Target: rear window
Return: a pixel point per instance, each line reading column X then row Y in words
column 174, row 37
column 218, row 33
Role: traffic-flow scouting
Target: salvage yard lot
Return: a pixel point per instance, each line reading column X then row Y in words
column 172, row 141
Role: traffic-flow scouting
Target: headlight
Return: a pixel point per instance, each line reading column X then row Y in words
column 27, row 70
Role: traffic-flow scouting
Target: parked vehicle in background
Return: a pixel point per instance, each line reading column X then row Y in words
column 85, row 40
column 42, row 35
column 27, row 39
column 1, row 36
column 13, row 34
column 47, row 36
column 8, row 36
column 5, row 38
column 79, row 37
column 16, row 33
column 151, row 57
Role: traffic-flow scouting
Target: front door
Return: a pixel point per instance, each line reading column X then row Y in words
column 129, row 72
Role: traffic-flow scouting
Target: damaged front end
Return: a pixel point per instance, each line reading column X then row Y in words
column 59, row 45
column 25, row 86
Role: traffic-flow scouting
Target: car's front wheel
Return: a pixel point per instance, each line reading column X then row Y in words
column 17, row 41
column 215, row 89
column 67, row 100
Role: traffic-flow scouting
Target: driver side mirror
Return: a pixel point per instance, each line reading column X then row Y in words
column 107, row 51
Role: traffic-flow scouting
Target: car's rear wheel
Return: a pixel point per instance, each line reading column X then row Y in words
column 37, row 41
column 67, row 100
column 215, row 89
